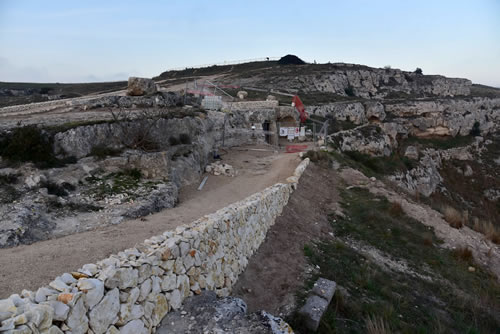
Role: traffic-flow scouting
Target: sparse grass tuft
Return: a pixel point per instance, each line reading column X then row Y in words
column 376, row 325
column 396, row 209
column 453, row 217
column 464, row 254
column 489, row 230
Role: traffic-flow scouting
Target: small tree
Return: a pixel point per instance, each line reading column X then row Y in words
column 418, row 71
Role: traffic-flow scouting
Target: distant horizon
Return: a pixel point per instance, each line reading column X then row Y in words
column 96, row 41
column 225, row 63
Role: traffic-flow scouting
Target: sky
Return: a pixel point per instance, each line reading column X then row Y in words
column 82, row 41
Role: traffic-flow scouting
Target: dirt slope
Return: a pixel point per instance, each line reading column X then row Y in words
column 271, row 287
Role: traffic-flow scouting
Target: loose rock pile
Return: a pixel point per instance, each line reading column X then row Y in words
column 218, row 168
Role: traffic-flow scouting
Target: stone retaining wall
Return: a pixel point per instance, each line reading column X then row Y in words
column 132, row 291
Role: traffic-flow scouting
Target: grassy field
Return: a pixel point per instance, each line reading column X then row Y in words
column 395, row 278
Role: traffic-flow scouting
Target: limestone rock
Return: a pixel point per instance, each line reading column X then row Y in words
column 140, row 86
column 77, row 320
column 93, row 289
column 411, row 152
column 105, row 313
column 242, row 94
column 134, row 327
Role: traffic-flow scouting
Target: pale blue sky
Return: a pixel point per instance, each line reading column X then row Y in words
column 75, row 41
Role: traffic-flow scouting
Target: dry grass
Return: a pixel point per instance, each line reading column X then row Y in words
column 453, row 217
column 489, row 230
column 395, row 209
column 376, row 325
column 463, row 253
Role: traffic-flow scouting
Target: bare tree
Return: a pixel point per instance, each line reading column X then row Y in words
column 136, row 127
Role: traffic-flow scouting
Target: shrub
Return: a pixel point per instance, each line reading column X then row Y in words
column 27, row 143
column 489, row 230
column 54, row 188
column 103, row 151
column 376, row 325
column 418, row 71
column 475, row 131
column 173, row 141
column 185, row 138
column 453, row 217
column 396, row 209
column 349, row 91
column 31, row 144
column 463, row 253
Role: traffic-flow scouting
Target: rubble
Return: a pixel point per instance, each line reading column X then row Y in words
column 219, row 168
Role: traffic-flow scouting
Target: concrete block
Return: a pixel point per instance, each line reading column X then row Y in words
column 324, row 288
column 312, row 311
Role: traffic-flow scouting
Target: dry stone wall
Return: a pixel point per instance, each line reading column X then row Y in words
column 132, row 291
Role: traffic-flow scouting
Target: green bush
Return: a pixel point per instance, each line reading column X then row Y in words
column 31, row 144
column 475, row 131
column 349, row 91
column 103, row 151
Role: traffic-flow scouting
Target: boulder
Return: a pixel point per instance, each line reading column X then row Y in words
column 411, row 152
column 140, row 86
column 242, row 94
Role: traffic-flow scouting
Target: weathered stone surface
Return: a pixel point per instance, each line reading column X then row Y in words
column 52, row 330
column 140, row 86
column 77, row 320
column 61, row 310
column 324, row 288
column 93, row 289
column 160, row 310
column 105, row 313
column 312, row 311
column 122, row 278
column 134, row 327
column 368, row 139
column 411, row 152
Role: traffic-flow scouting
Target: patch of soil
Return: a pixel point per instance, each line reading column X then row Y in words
column 278, row 269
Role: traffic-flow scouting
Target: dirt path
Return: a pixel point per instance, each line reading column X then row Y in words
column 31, row 266
column 278, row 269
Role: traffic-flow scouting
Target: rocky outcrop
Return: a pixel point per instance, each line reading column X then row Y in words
column 140, row 86
column 362, row 81
column 367, row 139
column 356, row 112
column 446, row 116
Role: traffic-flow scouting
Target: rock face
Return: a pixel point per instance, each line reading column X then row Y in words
column 362, row 81
column 368, row 139
column 356, row 112
column 140, row 86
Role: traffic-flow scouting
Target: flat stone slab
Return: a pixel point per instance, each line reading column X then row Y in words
column 325, row 289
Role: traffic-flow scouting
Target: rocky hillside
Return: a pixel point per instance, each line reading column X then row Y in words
column 435, row 137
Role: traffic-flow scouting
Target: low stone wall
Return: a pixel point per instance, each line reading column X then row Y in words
column 132, row 291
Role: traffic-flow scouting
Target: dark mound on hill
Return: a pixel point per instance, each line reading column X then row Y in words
column 291, row 60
